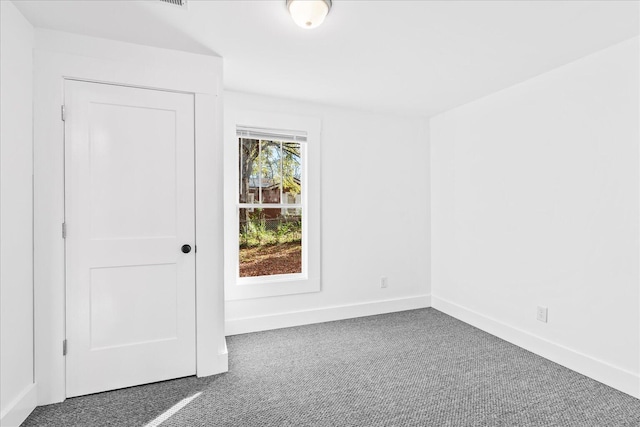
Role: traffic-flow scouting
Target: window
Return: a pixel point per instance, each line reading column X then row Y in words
column 272, row 215
column 271, row 203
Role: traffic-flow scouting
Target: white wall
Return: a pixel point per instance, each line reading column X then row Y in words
column 375, row 218
column 17, row 394
column 535, row 202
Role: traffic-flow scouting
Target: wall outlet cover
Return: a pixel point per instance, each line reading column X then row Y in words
column 541, row 314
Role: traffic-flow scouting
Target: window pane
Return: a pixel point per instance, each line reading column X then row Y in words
column 271, row 171
column 270, row 243
column 249, row 170
column 291, row 173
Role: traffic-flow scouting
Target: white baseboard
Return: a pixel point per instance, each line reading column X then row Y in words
column 599, row 370
column 19, row 409
column 325, row 314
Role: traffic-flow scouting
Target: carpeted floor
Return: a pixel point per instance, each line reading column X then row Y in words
column 413, row 368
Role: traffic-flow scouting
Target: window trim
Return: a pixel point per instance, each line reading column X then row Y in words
column 237, row 288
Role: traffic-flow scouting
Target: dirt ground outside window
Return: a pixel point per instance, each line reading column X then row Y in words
column 267, row 260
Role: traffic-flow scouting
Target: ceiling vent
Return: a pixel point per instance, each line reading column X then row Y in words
column 182, row 4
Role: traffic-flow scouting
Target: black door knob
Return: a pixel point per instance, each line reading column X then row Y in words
column 186, row 249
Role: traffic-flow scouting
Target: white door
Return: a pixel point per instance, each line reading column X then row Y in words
column 129, row 209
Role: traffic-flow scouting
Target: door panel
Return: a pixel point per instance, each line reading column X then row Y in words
column 129, row 208
column 119, row 294
column 135, row 201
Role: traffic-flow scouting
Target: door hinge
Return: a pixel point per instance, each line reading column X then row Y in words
column 64, row 347
column 63, row 115
column 64, row 230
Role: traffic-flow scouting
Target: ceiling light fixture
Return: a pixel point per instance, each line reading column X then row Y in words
column 308, row 13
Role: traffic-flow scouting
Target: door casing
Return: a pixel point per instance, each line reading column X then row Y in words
column 60, row 56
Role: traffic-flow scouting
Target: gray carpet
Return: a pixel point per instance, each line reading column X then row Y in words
column 414, row 368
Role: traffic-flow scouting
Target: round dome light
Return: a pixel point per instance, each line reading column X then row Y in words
column 308, row 13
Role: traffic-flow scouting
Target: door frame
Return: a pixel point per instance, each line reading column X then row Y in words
column 105, row 61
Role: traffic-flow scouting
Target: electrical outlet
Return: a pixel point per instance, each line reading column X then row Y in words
column 541, row 314
column 383, row 282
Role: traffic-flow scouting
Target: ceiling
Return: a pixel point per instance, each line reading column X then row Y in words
column 401, row 57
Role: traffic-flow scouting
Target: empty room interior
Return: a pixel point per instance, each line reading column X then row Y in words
column 344, row 213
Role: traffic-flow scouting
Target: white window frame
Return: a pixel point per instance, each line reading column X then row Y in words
column 237, row 288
